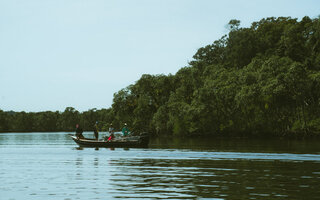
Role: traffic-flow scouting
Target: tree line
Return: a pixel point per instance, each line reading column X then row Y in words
column 11, row 121
column 258, row 80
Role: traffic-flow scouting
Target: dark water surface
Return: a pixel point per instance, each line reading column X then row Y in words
column 51, row 166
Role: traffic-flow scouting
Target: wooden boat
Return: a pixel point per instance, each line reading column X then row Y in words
column 122, row 142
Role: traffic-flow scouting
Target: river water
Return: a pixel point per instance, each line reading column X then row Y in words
column 51, row 166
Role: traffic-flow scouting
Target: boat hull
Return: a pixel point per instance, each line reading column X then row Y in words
column 131, row 142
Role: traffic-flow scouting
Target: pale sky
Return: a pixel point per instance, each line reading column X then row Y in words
column 78, row 53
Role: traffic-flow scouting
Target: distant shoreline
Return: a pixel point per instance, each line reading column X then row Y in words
column 296, row 135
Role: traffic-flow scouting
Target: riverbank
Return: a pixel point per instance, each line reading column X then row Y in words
column 225, row 135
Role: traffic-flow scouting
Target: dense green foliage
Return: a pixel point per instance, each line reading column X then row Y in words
column 53, row 121
column 262, row 80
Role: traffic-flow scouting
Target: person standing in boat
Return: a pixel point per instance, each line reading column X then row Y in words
column 111, row 129
column 125, row 130
column 95, row 130
column 111, row 132
column 79, row 132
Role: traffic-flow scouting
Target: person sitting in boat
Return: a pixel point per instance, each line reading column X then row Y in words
column 125, row 130
column 110, row 137
column 95, row 130
column 79, row 132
